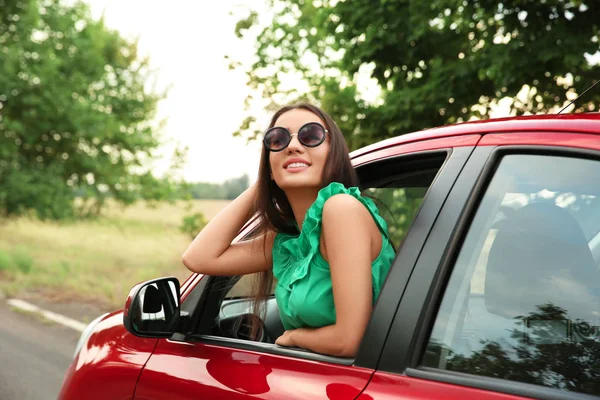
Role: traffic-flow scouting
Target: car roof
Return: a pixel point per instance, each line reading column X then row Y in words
column 581, row 123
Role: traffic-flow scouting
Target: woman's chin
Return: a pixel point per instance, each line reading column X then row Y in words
column 298, row 182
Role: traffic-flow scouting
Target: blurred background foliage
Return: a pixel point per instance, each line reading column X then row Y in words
column 433, row 62
column 76, row 105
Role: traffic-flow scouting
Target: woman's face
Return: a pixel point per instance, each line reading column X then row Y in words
column 297, row 166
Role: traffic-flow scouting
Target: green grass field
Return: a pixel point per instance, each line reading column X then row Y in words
column 96, row 261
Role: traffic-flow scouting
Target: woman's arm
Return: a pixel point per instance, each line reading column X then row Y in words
column 212, row 253
column 348, row 242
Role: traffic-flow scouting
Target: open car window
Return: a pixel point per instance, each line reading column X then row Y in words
column 398, row 187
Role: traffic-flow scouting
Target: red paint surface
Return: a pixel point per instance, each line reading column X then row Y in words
column 578, row 140
column 180, row 371
column 581, row 123
column 108, row 365
column 386, row 386
column 415, row 147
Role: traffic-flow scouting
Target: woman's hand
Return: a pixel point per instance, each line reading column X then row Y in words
column 287, row 339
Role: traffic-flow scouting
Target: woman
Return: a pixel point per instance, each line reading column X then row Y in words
column 324, row 243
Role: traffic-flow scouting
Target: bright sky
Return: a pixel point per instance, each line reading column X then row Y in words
column 187, row 41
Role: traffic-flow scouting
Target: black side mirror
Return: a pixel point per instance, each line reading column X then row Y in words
column 152, row 308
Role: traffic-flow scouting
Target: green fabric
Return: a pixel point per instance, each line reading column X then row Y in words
column 304, row 290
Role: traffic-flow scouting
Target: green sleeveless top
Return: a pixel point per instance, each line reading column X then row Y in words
column 304, row 289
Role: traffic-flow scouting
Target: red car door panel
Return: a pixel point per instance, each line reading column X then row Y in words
column 198, row 371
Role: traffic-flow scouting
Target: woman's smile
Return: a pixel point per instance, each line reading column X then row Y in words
column 296, row 165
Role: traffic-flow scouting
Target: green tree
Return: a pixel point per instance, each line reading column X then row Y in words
column 192, row 224
column 434, row 62
column 76, row 105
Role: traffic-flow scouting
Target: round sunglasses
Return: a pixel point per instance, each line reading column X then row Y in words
column 311, row 134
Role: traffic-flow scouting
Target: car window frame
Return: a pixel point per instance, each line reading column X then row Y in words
column 404, row 350
column 374, row 338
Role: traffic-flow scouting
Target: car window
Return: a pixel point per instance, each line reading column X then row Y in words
column 243, row 287
column 523, row 300
column 398, row 207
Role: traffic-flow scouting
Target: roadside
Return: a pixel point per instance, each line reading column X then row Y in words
column 71, row 315
column 80, row 310
column 34, row 355
column 84, row 268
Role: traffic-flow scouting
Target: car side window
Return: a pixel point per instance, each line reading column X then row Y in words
column 523, row 299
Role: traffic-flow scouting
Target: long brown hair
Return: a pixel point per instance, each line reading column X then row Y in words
column 273, row 208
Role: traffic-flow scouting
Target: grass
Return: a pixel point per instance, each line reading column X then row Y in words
column 96, row 261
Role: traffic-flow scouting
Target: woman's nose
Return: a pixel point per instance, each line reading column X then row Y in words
column 295, row 144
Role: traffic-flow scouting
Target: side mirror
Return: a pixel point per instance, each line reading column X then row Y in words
column 152, row 308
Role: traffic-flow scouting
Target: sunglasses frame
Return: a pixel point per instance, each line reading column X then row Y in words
column 290, row 136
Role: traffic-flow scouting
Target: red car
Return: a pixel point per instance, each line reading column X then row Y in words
column 494, row 292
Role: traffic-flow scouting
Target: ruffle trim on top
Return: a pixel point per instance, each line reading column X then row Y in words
column 295, row 253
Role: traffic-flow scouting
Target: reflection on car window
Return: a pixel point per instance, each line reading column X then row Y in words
column 523, row 301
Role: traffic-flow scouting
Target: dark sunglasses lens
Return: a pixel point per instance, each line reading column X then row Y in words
column 277, row 139
column 311, row 135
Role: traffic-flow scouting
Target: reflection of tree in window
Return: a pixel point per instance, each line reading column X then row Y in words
column 566, row 358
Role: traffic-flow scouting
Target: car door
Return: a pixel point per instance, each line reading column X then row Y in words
column 504, row 302
column 410, row 184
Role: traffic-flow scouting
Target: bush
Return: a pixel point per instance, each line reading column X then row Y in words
column 5, row 261
column 22, row 261
column 192, row 224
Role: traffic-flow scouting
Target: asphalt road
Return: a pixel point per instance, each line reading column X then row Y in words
column 34, row 355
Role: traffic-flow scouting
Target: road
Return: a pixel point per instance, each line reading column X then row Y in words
column 34, row 355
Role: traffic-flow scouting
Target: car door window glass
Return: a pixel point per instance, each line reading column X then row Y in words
column 523, row 300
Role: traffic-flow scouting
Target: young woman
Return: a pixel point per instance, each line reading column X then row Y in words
column 325, row 244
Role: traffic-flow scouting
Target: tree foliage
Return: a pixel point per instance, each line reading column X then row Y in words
column 434, row 62
column 76, row 105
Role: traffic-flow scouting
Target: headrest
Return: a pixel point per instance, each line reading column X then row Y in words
column 540, row 255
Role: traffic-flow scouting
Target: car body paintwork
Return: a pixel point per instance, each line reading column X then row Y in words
column 109, row 364
column 177, row 369
column 575, row 123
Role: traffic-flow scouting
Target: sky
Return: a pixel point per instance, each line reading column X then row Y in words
column 187, row 41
